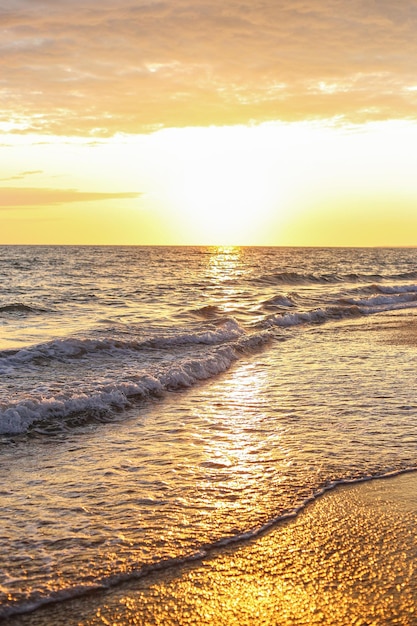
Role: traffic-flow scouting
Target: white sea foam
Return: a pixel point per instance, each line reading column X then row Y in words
column 317, row 316
column 98, row 399
column 18, row 418
column 348, row 307
column 73, row 347
column 384, row 300
column 397, row 288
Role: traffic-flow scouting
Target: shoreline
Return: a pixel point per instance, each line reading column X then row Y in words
column 347, row 558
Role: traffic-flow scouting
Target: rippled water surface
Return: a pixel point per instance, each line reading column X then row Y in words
column 157, row 401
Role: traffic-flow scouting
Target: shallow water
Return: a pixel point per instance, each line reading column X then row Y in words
column 158, row 401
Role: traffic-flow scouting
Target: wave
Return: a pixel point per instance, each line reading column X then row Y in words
column 73, row 347
column 279, row 301
column 346, row 308
column 392, row 300
column 34, row 601
column 100, row 401
column 296, row 278
column 208, row 312
column 19, row 307
column 317, row 316
column 300, row 278
column 396, row 289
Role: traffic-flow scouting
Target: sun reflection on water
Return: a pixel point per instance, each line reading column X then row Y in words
column 224, row 286
column 241, row 448
column 224, row 262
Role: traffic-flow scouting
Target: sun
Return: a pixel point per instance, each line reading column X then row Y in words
column 223, row 189
column 225, row 199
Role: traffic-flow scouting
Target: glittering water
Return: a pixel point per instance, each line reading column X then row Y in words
column 157, row 401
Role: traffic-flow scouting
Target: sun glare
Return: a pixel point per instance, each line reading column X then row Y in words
column 224, row 186
column 225, row 200
column 271, row 184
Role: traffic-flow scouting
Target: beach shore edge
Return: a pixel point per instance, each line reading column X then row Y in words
column 347, row 558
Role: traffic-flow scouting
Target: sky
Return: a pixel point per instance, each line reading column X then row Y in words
column 229, row 122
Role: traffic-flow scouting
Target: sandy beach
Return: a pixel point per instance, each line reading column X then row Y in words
column 348, row 558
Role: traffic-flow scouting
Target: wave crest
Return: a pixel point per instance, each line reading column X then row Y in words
column 99, row 401
column 19, row 307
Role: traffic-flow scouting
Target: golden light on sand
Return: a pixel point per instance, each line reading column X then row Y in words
column 348, row 559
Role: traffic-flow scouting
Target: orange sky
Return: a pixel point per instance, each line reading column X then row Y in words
column 261, row 121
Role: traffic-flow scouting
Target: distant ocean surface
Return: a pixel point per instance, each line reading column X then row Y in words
column 158, row 401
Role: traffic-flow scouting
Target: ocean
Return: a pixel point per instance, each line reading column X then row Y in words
column 159, row 402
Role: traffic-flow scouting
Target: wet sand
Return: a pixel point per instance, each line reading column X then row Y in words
column 349, row 558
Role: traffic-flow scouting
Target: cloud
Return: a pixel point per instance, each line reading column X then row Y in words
column 34, row 197
column 21, row 175
column 101, row 67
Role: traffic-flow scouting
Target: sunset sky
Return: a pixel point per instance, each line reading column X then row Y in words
column 264, row 122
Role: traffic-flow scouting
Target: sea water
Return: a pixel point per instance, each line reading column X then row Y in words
column 158, row 401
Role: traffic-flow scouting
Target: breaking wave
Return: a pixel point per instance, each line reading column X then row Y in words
column 100, row 400
column 349, row 307
column 73, row 348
